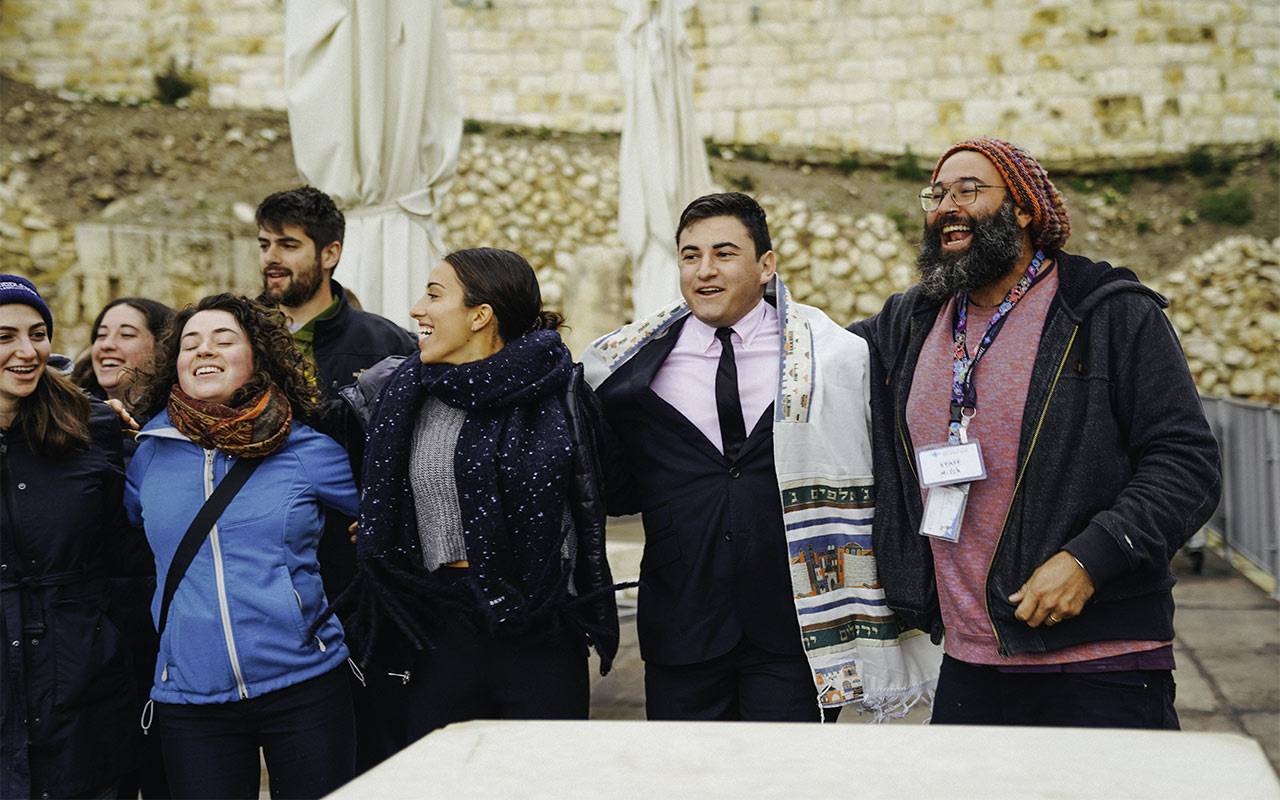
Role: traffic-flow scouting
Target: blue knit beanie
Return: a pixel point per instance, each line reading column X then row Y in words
column 16, row 289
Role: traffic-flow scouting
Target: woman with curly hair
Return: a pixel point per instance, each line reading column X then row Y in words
column 240, row 666
column 482, row 577
column 67, row 709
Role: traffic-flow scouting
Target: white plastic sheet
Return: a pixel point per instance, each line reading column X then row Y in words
column 376, row 123
column 662, row 161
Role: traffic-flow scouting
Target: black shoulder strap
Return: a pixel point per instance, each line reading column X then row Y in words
column 195, row 535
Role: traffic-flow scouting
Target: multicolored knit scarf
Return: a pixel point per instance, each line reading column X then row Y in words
column 252, row 429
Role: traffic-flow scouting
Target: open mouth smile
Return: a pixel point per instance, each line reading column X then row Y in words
column 956, row 234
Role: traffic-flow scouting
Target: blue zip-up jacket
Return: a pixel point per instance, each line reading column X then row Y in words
column 1116, row 462
column 238, row 623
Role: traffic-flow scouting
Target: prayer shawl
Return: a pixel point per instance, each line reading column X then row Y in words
column 858, row 650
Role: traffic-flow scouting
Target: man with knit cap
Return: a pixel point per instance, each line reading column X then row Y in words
column 1040, row 455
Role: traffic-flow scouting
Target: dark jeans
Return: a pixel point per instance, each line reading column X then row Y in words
column 306, row 732
column 472, row 675
column 747, row 683
column 973, row 694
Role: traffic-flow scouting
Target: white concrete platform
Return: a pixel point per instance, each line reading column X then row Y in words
column 708, row 760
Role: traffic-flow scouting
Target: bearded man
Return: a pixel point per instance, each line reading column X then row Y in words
column 299, row 244
column 1040, row 455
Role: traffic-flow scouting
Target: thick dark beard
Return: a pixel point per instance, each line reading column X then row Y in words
column 302, row 288
column 992, row 254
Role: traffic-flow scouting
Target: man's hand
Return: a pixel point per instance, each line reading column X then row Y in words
column 1056, row 591
column 131, row 426
column 352, row 530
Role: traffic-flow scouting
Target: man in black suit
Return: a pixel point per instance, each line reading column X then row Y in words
column 717, row 624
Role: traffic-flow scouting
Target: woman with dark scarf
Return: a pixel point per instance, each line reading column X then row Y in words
column 243, row 662
column 482, row 576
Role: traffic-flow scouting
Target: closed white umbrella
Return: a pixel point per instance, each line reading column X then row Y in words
column 662, row 162
column 375, row 121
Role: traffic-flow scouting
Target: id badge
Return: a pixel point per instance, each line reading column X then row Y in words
column 944, row 511
column 947, row 464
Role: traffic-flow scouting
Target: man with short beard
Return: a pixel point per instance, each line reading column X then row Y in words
column 1040, row 454
column 299, row 244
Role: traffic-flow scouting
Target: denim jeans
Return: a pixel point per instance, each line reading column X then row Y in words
column 306, row 732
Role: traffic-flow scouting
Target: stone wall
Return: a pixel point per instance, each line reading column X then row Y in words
column 1119, row 80
column 1225, row 303
column 557, row 205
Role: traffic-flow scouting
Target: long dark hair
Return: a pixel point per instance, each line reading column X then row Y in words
column 506, row 282
column 276, row 359
column 157, row 315
column 54, row 418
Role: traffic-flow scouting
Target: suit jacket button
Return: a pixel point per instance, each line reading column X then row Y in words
column 728, row 535
column 734, row 472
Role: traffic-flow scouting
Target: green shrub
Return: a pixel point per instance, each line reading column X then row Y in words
column 902, row 219
column 1122, row 182
column 173, row 84
column 1230, row 207
column 472, row 126
column 1200, row 161
column 743, row 182
column 907, row 168
column 849, row 165
column 752, row 152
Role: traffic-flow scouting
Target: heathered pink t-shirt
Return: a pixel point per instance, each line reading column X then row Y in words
column 1001, row 379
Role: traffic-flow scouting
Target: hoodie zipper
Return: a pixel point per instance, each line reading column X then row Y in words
column 1022, row 471
column 220, row 578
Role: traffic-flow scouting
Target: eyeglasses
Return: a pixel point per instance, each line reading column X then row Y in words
column 963, row 193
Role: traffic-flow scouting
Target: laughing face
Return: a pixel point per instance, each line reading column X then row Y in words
column 720, row 276
column 214, row 357
column 292, row 270
column 24, row 351
column 121, row 344
column 446, row 324
column 966, row 248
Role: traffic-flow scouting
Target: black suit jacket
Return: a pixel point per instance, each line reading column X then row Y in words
column 715, row 557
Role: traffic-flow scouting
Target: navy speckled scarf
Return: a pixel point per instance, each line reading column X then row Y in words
column 513, row 467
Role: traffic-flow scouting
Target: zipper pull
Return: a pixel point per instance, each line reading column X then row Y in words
column 403, row 676
column 321, row 643
column 164, row 674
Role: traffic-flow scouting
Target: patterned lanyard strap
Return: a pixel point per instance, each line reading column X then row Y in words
column 963, row 395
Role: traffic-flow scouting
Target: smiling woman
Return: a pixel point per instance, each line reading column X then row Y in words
column 66, row 698
column 227, row 386
column 124, row 335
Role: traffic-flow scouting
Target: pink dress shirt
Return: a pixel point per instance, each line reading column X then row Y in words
column 687, row 379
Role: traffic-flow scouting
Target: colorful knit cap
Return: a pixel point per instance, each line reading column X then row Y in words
column 1032, row 190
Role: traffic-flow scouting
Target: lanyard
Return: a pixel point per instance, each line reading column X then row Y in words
column 964, row 397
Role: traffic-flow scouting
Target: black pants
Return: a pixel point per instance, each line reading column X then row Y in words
column 747, row 683
column 472, row 675
column 973, row 694
column 306, row 732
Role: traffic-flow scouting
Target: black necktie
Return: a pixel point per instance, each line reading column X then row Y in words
column 728, row 405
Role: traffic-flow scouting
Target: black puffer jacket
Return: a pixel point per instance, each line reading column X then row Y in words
column 68, row 714
column 592, row 579
column 1116, row 462
column 352, row 340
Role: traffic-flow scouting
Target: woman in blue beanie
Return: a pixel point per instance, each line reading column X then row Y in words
column 66, row 690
